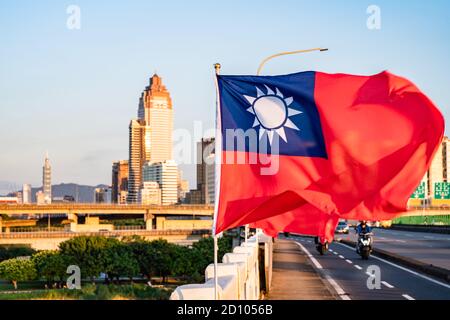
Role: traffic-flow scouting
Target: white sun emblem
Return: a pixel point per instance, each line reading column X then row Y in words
column 272, row 113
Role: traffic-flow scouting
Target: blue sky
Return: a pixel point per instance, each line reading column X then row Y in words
column 73, row 92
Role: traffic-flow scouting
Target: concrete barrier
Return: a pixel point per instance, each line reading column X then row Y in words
column 238, row 274
column 421, row 228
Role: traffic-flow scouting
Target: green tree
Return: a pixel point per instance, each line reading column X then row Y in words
column 161, row 257
column 203, row 251
column 183, row 261
column 51, row 265
column 17, row 269
column 142, row 251
column 88, row 253
column 155, row 258
column 9, row 252
column 120, row 261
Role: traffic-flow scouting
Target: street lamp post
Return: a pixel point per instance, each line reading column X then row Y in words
column 287, row 53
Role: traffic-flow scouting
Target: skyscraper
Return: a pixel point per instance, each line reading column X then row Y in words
column 150, row 134
column 139, row 154
column 119, row 187
column 26, row 193
column 47, row 180
column 155, row 108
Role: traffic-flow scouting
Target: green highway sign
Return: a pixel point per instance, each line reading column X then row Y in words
column 442, row 190
column 420, row 192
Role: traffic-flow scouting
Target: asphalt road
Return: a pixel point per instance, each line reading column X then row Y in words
column 347, row 273
column 431, row 248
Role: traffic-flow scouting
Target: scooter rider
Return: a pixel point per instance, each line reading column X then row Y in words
column 361, row 229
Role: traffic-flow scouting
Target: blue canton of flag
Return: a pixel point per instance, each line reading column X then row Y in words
column 275, row 107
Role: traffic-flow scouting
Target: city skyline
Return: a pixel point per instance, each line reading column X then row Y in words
column 81, row 95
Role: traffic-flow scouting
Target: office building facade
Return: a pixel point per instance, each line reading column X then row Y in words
column 166, row 175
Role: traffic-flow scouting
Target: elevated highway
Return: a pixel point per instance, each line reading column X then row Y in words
column 153, row 215
column 106, row 209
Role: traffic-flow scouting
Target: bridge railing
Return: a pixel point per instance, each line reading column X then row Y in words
column 103, row 205
column 238, row 274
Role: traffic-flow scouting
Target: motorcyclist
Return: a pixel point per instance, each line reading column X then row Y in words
column 363, row 228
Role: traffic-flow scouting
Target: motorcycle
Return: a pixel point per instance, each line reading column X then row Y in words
column 364, row 245
column 322, row 248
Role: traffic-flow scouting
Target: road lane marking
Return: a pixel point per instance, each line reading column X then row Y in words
column 310, row 256
column 335, row 252
column 390, row 286
column 408, row 297
column 402, row 241
column 331, row 250
column 341, row 256
column 370, row 274
column 338, row 288
column 357, row 267
column 333, row 283
column 349, row 261
column 403, row 268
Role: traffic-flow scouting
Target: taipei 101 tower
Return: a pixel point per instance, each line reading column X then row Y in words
column 47, row 180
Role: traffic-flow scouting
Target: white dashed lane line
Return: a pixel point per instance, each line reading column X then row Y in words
column 357, row 267
column 336, row 286
column 390, row 286
column 404, row 269
column 335, row 252
column 341, row 256
column 407, row 297
column 348, row 261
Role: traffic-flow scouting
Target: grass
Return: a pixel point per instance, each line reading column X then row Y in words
column 93, row 292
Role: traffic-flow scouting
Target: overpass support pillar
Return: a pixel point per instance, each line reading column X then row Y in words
column 73, row 221
column 148, row 218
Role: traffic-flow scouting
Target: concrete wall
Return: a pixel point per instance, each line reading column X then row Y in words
column 164, row 224
column 238, row 274
column 51, row 241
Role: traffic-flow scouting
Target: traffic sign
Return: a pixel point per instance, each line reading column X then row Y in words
column 442, row 190
column 420, row 192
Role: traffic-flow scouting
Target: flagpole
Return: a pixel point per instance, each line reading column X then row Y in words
column 246, row 232
column 218, row 154
column 287, row 53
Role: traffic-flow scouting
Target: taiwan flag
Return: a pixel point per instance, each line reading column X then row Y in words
column 298, row 152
